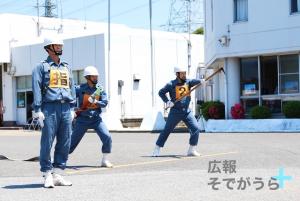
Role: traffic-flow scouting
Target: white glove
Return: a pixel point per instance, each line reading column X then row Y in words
column 73, row 115
column 170, row 104
column 92, row 100
column 40, row 116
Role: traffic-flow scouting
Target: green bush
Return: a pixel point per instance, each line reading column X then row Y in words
column 291, row 109
column 213, row 110
column 260, row 112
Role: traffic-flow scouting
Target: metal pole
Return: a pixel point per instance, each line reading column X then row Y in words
column 189, row 34
column 108, row 52
column 151, row 56
column 38, row 16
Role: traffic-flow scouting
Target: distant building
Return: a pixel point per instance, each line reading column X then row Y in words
column 126, row 76
column 258, row 44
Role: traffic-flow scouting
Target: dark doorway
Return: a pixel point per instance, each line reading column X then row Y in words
column 1, row 98
column 29, row 101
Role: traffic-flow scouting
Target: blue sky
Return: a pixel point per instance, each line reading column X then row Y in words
column 134, row 13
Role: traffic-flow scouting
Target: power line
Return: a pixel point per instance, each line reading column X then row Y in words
column 6, row 4
column 131, row 10
column 80, row 9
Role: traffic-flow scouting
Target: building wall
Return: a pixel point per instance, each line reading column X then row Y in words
column 130, row 56
column 270, row 28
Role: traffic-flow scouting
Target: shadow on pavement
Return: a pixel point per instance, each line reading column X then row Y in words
column 24, row 186
column 77, row 167
column 165, row 156
column 33, row 159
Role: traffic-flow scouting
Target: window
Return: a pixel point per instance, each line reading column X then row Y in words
column 278, row 77
column 240, row 10
column 249, row 77
column 269, row 75
column 289, row 74
column 78, row 77
column 249, row 103
column 21, row 99
column 274, row 104
column 24, row 82
column 295, row 6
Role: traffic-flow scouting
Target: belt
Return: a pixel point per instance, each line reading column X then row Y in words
column 60, row 101
column 57, row 101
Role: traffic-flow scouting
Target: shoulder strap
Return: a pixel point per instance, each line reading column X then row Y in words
column 46, row 67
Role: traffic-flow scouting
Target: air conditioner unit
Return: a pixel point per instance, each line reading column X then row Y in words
column 224, row 40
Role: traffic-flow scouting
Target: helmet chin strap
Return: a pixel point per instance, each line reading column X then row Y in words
column 57, row 53
column 94, row 82
column 181, row 80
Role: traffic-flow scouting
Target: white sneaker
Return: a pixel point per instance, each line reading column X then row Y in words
column 58, row 180
column 105, row 162
column 192, row 151
column 156, row 151
column 48, row 180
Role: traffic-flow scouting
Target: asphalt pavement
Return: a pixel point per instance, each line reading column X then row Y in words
column 232, row 167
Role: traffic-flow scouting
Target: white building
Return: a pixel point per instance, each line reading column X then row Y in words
column 125, row 70
column 258, row 44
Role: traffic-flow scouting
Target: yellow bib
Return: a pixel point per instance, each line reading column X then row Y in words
column 181, row 90
column 59, row 78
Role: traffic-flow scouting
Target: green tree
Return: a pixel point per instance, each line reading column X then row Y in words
column 200, row 31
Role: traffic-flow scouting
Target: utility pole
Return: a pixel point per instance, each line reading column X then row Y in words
column 185, row 16
column 189, row 48
column 151, row 55
column 38, row 18
column 108, row 49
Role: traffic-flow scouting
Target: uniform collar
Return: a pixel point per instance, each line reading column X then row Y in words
column 88, row 86
column 178, row 82
column 51, row 62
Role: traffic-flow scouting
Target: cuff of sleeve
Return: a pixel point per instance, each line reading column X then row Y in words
column 37, row 109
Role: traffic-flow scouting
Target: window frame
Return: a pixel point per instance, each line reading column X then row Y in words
column 271, row 97
column 291, row 7
column 235, row 15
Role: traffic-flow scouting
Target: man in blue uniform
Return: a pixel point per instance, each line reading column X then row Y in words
column 54, row 100
column 179, row 110
column 91, row 98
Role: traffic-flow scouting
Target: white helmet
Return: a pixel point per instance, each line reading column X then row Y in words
column 53, row 40
column 179, row 69
column 90, row 70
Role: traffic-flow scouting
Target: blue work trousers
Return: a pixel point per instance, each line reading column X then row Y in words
column 57, row 124
column 82, row 124
column 175, row 116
